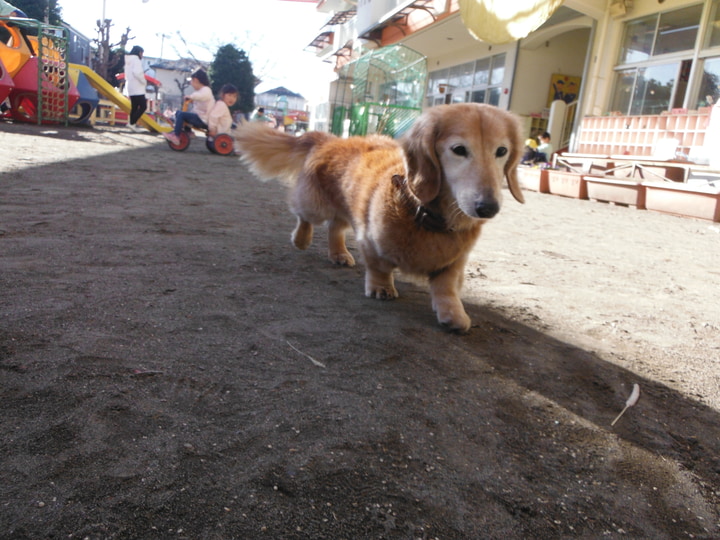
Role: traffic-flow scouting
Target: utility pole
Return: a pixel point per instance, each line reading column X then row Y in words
column 162, row 42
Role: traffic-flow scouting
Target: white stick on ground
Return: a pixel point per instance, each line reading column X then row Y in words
column 632, row 400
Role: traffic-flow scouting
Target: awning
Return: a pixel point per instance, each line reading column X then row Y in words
column 343, row 55
column 398, row 18
column 323, row 40
column 341, row 17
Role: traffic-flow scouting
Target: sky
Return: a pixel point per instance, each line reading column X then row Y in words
column 274, row 34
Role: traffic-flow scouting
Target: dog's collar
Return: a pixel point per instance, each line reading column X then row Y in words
column 423, row 216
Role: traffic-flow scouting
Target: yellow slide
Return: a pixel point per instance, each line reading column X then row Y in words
column 111, row 93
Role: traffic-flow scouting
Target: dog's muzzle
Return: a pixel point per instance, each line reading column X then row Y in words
column 487, row 209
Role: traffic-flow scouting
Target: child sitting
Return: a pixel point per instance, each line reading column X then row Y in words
column 202, row 99
column 544, row 149
column 220, row 120
column 530, row 151
column 538, row 153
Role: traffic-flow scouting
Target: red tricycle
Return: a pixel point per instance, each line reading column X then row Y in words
column 221, row 144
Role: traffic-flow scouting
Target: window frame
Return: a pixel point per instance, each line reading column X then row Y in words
column 463, row 94
column 654, row 60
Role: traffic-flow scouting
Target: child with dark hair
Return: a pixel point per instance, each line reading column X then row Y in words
column 220, row 119
column 544, row 149
column 202, row 100
column 136, row 85
column 537, row 153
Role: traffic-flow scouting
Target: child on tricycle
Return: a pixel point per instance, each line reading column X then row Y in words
column 213, row 117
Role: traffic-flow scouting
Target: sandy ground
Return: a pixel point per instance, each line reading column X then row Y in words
column 172, row 368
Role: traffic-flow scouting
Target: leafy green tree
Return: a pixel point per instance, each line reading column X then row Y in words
column 232, row 65
column 37, row 9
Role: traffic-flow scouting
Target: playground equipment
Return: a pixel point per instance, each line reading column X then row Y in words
column 42, row 91
column 41, row 86
column 49, row 105
column 6, row 83
column 89, row 97
column 111, row 94
column 380, row 92
column 15, row 49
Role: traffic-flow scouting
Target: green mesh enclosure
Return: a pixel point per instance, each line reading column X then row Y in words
column 381, row 92
column 53, row 76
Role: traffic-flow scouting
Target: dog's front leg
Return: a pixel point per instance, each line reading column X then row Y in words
column 379, row 280
column 303, row 233
column 445, row 293
column 337, row 250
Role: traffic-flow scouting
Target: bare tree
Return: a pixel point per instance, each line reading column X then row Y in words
column 106, row 61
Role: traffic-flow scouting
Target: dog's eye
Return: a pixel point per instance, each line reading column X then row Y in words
column 500, row 152
column 459, row 150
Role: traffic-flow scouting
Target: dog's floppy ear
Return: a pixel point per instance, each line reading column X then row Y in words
column 513, row 161
column 424, row 170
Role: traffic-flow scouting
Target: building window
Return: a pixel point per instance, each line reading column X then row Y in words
column 479, row 81
column 656, row 60
column 646, row 90
column 662, row 33
column 678, row 30
column 709, row 87
column 713, row 35
column 709, row 93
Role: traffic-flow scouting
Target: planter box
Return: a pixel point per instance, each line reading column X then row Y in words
column 533, row 179
column 648, row 171
column 683, row 200
column 624, row 192
column 567, row 184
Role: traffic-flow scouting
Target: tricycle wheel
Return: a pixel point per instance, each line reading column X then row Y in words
column 182, row 145
column 210, row 144
column 223, row 144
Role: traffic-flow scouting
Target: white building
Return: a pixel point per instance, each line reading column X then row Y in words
column 620, row 57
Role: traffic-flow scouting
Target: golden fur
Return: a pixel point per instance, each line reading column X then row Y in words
column 417, row 204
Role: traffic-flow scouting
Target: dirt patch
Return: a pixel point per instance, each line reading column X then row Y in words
column 172, row 368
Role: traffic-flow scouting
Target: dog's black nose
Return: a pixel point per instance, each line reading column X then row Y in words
column 487, row 209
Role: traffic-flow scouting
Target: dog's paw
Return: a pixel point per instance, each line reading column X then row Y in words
column 382, row 293
column 343, row 258
column 451, row 316
column 458, row 327
column 302, row 235
column 301, row 243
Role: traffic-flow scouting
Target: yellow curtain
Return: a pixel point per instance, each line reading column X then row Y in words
column 505, row 21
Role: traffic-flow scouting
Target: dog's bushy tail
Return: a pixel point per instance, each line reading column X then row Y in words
column 274, row 154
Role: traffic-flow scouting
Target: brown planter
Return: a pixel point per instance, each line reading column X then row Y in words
column 533, row 179
column 567, row 184
column 683, row 200
column 625, row 192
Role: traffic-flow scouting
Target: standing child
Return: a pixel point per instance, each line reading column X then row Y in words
column 220, row 120
column 136, row 85
column 202, row 99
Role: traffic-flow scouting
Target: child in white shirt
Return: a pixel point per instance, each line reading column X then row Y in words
column 202, row 99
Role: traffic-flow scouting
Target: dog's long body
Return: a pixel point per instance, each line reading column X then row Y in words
column 416, row 205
